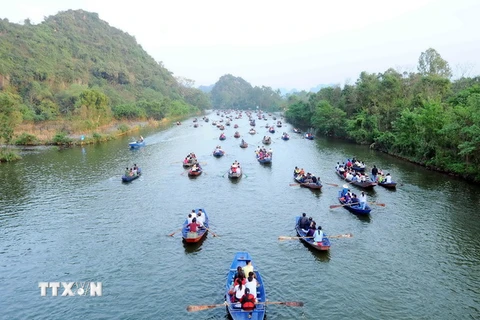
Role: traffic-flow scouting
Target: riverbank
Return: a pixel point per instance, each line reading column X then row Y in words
column 66, row 134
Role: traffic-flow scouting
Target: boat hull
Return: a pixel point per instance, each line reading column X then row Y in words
column 234, row 309
column 323, row 246
column 201, row 233
column 131, row 178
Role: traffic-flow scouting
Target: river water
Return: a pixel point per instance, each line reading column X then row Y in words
column 66, row 216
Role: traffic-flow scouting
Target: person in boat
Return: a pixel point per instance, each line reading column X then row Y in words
column 127, row 172
column 355, row 201
column 388, row 178
column 243, row 142
column 310, row 231
column 270, row 151
column 374, row 173
column 239, row 274
column 237, row 291
column 201, row 218
column 314, row 179
column 130, row 174
column 318, row 235
column 363, row 200
column 191, row 216
column 193, row 229
column 303, row 222
column 248, row 300
column 252, row 283
column 248, row 267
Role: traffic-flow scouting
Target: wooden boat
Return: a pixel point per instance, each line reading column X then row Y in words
column 196, row 173
column 391, row 185
column 235, row 175
column 311, row 185
column 267, row 140
column 201, row 233
column 309, row 136
column 195, row 125
column 137, row 144
column 366, row 184
column 243, row 145
column 178, row 123
column 190, row 163
column 296, row 130
column 264, row 160
column 221, row 127
column 131, row 178
column 234, row 308
column 218, row 153
column 222, row 137
column 355, row 209
column 235, row 126
column 252, row 131
column 271, row 130
column 237, row 134
column 323, row 246
column 285, row 137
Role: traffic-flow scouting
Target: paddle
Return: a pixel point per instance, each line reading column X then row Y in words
column 171, row 234
column 192, row 308
column 333, row 206
column 346, row 235
column 332, row 184
column 213, row 233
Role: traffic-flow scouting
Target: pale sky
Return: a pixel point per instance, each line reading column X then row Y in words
column 284, row 44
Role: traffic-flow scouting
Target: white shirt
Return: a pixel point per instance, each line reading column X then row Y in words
column 362, row 198
column 201, row 218
column 318, row 236
column 252, row 286
column 388, row 179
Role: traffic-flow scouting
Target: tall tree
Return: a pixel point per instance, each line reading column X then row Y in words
column 431, row 63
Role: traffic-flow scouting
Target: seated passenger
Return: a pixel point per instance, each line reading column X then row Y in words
column 248, row 300
column 237, row 291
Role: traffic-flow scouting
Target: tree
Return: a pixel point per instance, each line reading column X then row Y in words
column 431, row 63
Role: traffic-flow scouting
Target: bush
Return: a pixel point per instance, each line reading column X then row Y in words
column 7, row 156
column 62, row 138
column 27, row 139
column 123, row 128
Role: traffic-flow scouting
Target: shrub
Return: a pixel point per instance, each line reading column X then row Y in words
column 27, row 139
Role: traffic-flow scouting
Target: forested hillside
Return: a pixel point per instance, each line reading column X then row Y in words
column 75, row 66
column 422, row 116
column 235, row 93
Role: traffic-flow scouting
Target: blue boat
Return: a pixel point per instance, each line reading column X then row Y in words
column 309, row 136
column 285, row 137
column 218, row 153
column 265, row 160
column 126, row 178
column 322, row 246
column 137, row 144
column 234, row 308
column 201, row 233
column 355, row 209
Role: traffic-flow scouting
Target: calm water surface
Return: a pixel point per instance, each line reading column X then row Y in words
column 65, row 216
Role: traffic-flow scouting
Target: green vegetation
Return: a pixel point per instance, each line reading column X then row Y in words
column 235, row 93
column 421, row 116
column 75, row 67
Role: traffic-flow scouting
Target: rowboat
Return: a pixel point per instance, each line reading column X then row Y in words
column 285, row 137
column 235, row 175
column 266, row 140
column 243, row 145
column 391, row 185
column 235, row 126
column 252, row 131
column 296, row 130
column 136, row 144
column 222, row 137
column 355, row 209
column 365, row 184
column 218, row 153
column 265, row 160
column 195, row 125
column 126, row 178
column 235, row 308
column 322, row 246
column 237, row 134
column 196, row 173
column 190, row 163
column 311, row 185
column 200, row 234
column 309, row 136
column 271, row 130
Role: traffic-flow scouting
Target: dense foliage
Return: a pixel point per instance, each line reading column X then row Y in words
column 421, row 116
column 235, row 93
column 75, row 66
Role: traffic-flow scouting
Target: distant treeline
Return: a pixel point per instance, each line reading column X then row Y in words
column 424, row 116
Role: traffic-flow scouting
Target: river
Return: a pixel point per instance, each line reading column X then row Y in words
column 66, row 216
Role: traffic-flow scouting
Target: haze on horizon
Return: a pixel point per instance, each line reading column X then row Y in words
column 284, row 44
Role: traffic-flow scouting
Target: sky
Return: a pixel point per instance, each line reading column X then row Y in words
column 284, row 44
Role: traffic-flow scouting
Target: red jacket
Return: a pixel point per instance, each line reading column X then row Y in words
column 248, row 302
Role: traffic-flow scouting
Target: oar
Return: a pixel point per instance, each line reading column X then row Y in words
column 192, row 308
column 332, row 184
column 225, row 174
column 294, row 184
column 213, row 233
column 171, row 234
column 346, row 235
